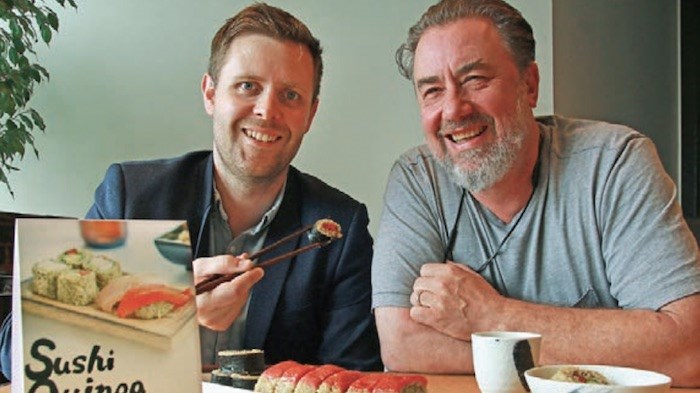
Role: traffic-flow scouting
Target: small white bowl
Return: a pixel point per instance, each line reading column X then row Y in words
column 622, row 379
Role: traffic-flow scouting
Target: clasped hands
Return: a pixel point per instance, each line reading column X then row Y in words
column 454, row 300
column 218, row 308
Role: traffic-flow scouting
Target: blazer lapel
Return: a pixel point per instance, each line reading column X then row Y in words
column 198, row 220
column 265, row 293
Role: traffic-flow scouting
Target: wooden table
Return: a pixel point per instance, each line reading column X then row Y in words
column 447, row 384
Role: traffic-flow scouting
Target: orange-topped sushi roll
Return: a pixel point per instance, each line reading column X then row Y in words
column 288, row 381
column 310, row 382
column 339, row 382
column 365, row 384
column 268, row 379
column 390, row 383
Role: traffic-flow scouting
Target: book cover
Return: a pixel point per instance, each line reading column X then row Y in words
column 106, row 306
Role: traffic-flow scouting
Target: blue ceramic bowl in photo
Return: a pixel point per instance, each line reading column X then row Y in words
column 174, row 245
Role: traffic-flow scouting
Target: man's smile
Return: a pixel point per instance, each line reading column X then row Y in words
column 259, row 136
column 464, row 136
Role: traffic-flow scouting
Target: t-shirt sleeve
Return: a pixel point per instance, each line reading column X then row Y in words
column 651, row 254
column 409, row 234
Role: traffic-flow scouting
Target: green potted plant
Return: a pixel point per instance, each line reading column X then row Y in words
column 22, row 24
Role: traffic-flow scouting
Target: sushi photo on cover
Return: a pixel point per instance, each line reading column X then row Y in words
column 106, row 306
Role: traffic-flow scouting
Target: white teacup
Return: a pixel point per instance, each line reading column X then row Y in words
column 501, row 359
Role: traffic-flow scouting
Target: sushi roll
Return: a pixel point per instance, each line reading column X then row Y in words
column 339, row 382
column 105, row 269
column 44, row 276
column 244, row 381
column 325, row 230
column 112, row 293
column 401, row 384
column 150, row 301
column 310, row 382
column 155, row 310
column 76, row 287
column 365, row 384
column 246, row 361
column 221, row 377
column 288, row 380
column 268, row 379
column 75, row 258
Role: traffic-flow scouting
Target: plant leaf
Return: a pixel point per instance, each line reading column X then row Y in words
column 26, row 120
column 53, row 20
column 38, row 121
column 23, row 24
column 45, row 33
column 41, row 69
column 3, row 178
column 15, row 29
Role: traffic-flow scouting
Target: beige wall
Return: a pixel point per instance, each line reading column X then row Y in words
column 125, row 85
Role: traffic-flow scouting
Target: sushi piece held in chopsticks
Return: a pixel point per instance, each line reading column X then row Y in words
column 320, row 234
column 325, row 230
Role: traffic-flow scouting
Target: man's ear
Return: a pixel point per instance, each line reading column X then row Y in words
column 208, row 90
column 532, row 81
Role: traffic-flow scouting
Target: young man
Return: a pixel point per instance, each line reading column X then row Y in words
column 502, row 221
column 261, row 90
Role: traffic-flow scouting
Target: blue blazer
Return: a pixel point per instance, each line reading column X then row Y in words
column 315, row 308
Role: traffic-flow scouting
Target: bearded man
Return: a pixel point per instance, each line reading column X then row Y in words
column 503, row 221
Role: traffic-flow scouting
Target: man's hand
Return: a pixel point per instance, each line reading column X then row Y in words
column 454, row 300
column 218, row 308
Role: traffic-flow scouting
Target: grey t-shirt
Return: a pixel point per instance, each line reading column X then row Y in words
column 603, row 227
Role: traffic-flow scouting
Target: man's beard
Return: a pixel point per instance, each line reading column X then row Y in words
column 483, row 167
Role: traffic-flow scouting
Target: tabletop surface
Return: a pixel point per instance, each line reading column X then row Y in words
column 448, row 384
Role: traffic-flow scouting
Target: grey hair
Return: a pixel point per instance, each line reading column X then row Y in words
column 515, row 31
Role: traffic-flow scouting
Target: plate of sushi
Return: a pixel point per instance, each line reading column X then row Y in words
column 91, row 290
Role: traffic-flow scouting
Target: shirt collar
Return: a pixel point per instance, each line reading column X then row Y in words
column 266, row 219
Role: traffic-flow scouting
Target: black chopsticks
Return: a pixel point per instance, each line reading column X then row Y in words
column 218, row 279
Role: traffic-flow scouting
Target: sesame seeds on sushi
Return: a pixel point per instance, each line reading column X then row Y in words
column 105, row 268
column 76, row 287
column 288, row 380
column 269, row 378
column 339, row 382
column 390, row 383
column 150, row 301
column 75, row 257
column 44, row 276
column 310, row 382
column 365, row 384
